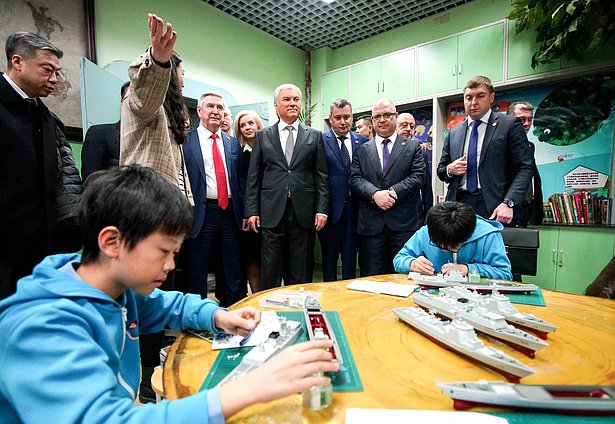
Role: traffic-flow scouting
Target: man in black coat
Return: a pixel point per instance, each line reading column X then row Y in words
column 36, row 163
column 287, row 193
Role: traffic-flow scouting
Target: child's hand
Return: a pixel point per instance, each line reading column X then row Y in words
column 446, row 268
column 240, row 321
column 422, row 265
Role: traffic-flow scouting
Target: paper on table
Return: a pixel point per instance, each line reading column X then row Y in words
column 405, row 416
column 269, row 322
column 394, row 289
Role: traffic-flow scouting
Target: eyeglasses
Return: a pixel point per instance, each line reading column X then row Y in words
column 386, row 116
column 454, row 249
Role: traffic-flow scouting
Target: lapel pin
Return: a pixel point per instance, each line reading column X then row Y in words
column 403, row 143
column 494, row 124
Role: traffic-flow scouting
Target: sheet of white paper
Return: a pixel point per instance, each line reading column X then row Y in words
column 269, row 322
column 405, row 416
column 394, row 289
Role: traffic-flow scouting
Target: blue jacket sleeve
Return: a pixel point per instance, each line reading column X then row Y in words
column 411, row 250
column 495, row 263
column 174, row 310
column 54, row 370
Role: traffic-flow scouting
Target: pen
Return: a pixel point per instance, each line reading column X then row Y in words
column 246, row 338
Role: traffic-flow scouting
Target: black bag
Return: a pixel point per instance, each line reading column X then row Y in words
column 522, row 249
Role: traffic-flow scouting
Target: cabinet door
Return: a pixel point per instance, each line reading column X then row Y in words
column 334, row 86
column 547, row 259
column 397, row 76
column 481, row 52
column 583, row 252
column 437, row 66
column 365, row 84
column 521, row 47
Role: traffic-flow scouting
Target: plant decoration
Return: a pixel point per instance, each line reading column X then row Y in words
column 305, row 117
column 569, row 29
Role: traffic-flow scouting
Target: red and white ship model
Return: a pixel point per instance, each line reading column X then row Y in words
column 562, row 399
column 318, row 326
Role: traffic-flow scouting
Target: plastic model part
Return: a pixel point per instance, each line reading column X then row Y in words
column 318, row 326
column 484, row 286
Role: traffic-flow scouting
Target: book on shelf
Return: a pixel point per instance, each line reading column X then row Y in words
column 581, row 207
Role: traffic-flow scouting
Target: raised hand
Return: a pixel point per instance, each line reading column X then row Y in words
column 162, row 41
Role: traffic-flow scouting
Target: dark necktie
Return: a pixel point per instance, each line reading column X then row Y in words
column 385, row 153
column 344, row 152
column 472, row 173
column 290, row 144
column 220, row 173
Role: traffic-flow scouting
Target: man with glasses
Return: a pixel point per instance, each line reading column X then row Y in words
column 387, row 174
column 455, row 237
column 405, row 126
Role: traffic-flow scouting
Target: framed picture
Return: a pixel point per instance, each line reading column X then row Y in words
column 69, row 25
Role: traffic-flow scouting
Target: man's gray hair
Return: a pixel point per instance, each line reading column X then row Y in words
column 520, row 105
column 277, row 91
column 210, row 93
column 27, row 44
column 339, row 104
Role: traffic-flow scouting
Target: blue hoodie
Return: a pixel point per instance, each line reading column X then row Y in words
column 70, row 353
column 484, row 251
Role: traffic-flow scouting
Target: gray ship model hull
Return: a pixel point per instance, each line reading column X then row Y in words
column 485, row 286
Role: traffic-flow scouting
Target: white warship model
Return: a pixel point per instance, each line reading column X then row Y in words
column 319, row 328
column 562, row 399
column 460, row 337
column 501, row 304
column 278, row 340
column 482, row 320
column 483, row 286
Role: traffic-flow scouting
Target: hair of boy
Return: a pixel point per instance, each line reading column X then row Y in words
column 135, row 199
column 27, row 44
column 450, row 224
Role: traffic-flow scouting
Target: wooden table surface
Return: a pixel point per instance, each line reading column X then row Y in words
column 399, row 367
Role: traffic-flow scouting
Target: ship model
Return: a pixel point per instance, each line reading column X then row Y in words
column 501, row 304
column 482, row 320
column 455, row 279
column 460, row 337
column 287, row 335
column 319, row 328
column 562, row 399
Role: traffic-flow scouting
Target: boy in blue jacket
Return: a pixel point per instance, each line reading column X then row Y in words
column 70, row 350
column 453, row 227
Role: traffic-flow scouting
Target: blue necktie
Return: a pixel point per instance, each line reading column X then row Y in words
column 385, row 153
column 344, row 153
column 472, row 173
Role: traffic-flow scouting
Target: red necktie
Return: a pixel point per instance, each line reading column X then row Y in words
column 220, row 174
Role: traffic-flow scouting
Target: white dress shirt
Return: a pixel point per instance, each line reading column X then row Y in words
column 379, row 140
column 482, row 128
column 347, row 143
column 207, row 143
column 283, row 132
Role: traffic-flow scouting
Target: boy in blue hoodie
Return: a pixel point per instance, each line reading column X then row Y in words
column 70, row 350
column 453, row 227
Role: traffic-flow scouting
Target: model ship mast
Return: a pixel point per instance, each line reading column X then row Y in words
column 319, row 328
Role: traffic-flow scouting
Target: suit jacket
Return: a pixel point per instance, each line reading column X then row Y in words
column 537, row 202
column 101, row 148
column 338, row 174
column 193, row 156
column 405, row 173
column 426, row 190
column 505, row 164
column 271, row 180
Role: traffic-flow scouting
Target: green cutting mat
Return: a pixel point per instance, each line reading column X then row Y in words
column 345, row 380
column 546, row 418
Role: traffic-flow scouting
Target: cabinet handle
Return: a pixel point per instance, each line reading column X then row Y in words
column 383, row 86
column 453, row 72
column 561, row 258
column 553, row 256
column 378, row 87
column 460, row 69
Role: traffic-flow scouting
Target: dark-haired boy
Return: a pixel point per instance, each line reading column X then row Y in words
column 70, row 351
column 454, row 228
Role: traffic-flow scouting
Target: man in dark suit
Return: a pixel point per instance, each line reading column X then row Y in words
column 485, row 159
column 405, row 128
column 35, row 158
column 338, row 237
column 101, row 147
column 387, row 174
column 287, row 195
column 213, row 164
column 531, row 211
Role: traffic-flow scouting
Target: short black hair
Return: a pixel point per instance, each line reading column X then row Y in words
column 27, row 44
column 135, row 199
column 450, row 223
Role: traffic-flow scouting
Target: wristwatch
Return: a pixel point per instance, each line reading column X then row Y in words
column 509, row 202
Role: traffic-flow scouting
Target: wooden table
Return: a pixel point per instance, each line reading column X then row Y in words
column 399, row 367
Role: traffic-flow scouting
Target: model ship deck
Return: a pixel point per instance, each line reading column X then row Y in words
column 484, row 286
column 578, row 400
column 460, row 337
column 318, row 326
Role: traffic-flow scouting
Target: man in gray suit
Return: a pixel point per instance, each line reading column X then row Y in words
column 486, row 160
column 287, row 193
column 386, row 175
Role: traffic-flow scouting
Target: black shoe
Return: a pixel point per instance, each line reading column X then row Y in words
column 146, row 393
